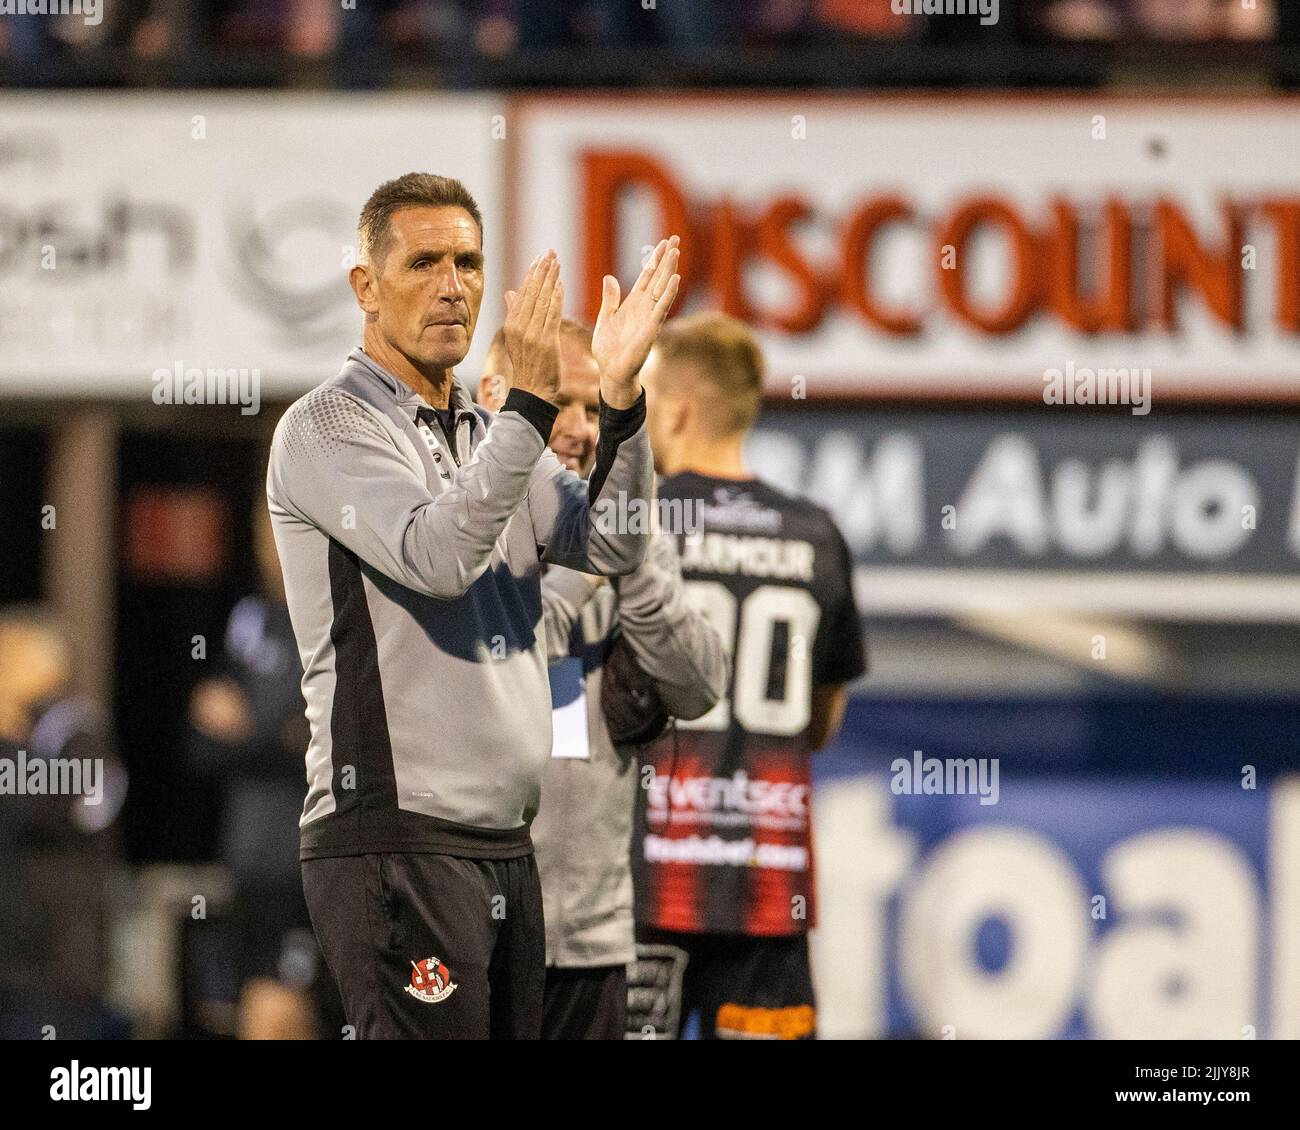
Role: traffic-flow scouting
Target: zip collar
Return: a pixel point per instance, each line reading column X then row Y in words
column 407, row 398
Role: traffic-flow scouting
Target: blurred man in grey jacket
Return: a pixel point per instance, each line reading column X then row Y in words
column 583, row 827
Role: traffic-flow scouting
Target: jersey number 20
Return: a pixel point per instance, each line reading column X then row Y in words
column 749, row 629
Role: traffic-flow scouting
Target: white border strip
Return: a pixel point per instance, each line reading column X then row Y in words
column 1221, row 597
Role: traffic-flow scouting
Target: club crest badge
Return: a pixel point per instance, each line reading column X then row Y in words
column 430, row 981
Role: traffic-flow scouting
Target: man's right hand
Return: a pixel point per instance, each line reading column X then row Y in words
column 532, row 328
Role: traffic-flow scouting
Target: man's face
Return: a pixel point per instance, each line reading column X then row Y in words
column 429, row 285
column 576, row 429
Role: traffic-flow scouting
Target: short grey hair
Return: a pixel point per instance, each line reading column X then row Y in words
column 406, row 191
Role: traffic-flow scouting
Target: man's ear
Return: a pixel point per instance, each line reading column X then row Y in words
column 364, row 285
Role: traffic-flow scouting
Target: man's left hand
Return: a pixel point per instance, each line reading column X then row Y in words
column 626, row 329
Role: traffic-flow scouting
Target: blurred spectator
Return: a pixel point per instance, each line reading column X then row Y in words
column 313, row 28
column 541, row 24
column 873, row 19
column 250, row 734
column 304, row 29
column 61, row 788
column 270, row 42
column 695, row 26
column 1174, row 20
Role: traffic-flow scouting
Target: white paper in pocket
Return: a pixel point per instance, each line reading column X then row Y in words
column 568, row 710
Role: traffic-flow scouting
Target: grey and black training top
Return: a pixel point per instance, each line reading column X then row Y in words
column 412, row 575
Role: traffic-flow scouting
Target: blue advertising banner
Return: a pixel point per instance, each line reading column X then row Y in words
column 1046, row 490
column 961, row 899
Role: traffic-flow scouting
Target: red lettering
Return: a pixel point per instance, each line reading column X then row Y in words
column 1023, row 292
column 1185, row 263
column 1108, row 309
column 1285, row 215
column 856, row 290
column 605, row 177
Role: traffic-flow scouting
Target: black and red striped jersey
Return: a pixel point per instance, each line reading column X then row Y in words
column 722, row 843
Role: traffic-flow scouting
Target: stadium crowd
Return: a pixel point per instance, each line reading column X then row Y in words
column 467, row 43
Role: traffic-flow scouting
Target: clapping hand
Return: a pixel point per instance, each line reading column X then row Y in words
column 626, row 329
column 532, row 328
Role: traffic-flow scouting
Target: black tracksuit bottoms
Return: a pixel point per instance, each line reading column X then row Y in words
column 425, row 946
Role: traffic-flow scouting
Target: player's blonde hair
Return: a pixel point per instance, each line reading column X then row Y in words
column 726, row 362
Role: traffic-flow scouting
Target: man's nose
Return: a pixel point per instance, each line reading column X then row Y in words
column 449, row 283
